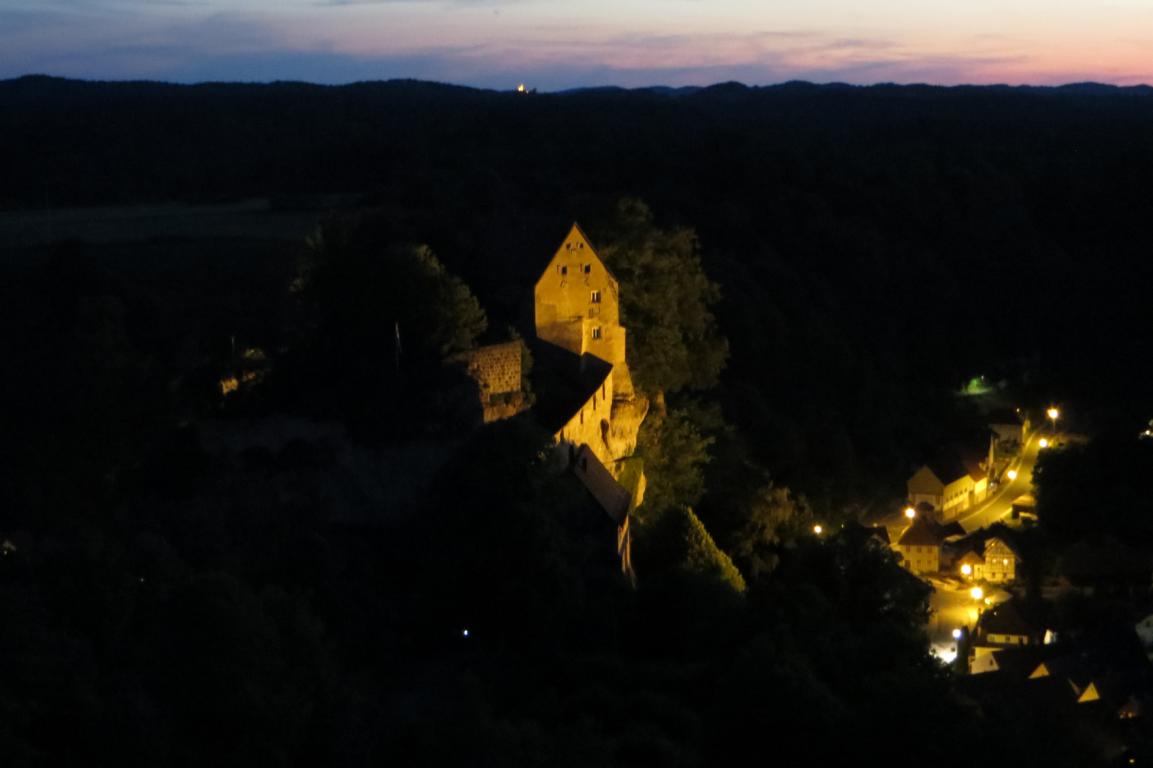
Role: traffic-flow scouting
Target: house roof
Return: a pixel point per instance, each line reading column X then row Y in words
column 953, row 462
column 610, row 495
column 563, row 382
column 925, row 532
column 866, row 532
column 1118, row 669
column 971, row 556
column 1022, row 661
column 1009, row 618
column 976, row 543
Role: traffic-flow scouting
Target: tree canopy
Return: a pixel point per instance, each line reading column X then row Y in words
column 666, row 301
column 368, row 290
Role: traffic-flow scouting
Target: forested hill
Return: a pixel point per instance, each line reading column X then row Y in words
column 875, row 246
column 241, row 523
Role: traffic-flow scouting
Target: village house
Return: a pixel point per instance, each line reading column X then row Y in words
column 920, row 544
column 954, row 480
column 1012, row 624
column 987, row 558
column 1010, row 425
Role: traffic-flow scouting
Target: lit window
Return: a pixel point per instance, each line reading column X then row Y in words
column 596, row 297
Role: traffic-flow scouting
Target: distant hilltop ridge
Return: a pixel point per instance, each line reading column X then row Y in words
column 1082, row 87
column 77, row 143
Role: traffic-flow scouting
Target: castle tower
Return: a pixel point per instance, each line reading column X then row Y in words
column 577, row 306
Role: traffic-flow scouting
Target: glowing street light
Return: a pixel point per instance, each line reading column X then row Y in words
column 910, row 512
column 1011, row 474
column 817, row 529
column 956, row 634
column 976, row 593
column 1053, row 414
column 966, row 570
column 1043, row 443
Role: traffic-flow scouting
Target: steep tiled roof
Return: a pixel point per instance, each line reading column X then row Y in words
column 610, row 495
column 957, row 460
column 925, row 532
column 563, row 382
column 1009, row 618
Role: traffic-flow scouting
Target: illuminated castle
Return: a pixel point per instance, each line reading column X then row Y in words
column 576, row 308
column 585, row 394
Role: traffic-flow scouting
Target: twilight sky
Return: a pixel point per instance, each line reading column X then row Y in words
column 555, row 44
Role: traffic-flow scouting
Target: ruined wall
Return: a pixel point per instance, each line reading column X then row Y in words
column 495, row 368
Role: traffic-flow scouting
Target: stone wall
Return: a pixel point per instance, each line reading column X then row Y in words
column 495, row 368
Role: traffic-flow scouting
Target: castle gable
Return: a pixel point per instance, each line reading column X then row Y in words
column 576, row 302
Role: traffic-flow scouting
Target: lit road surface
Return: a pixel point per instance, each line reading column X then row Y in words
column 952, row 607
column 996, row 507
column 949, row 609
column 1000, row 504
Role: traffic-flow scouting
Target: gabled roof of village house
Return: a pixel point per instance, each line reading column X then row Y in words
column 924, row 532
column 955, row 461
column 867, row 532
column 1117, row 666
column 975, row 543
column 1010, row 618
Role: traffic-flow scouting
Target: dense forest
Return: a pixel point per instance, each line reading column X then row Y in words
column 383, row 585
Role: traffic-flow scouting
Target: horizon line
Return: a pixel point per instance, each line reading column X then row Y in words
column 601, row 86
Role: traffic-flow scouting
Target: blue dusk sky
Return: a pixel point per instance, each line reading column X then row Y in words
column 554, row 45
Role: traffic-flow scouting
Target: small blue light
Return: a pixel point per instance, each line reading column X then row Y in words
column 465, row 633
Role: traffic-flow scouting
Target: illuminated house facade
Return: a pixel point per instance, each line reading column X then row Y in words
column 953, row 481
column 993, row 560
column 920, row 544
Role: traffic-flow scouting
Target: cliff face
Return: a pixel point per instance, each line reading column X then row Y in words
column 625, row 424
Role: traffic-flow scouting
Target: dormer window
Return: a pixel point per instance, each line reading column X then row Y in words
column 595, row 298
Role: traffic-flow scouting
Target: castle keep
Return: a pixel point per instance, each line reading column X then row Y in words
column 585, row 394
column 576, row 307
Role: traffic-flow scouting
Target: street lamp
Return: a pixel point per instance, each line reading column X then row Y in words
column 1012, row 475
column 817, row 529
column 976, row 593
column 910, row 512
column 1053, row 415
column 1043, row 443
